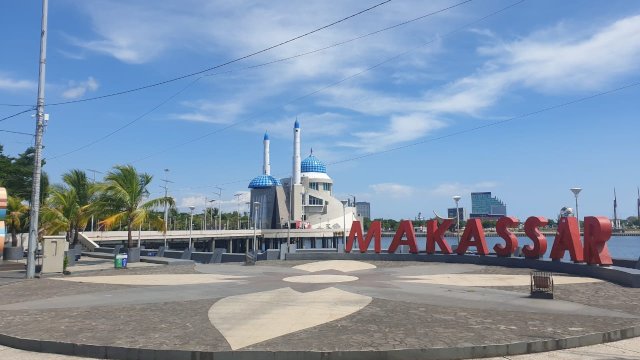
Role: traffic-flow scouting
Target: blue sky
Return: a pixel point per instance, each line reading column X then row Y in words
column 531, row 56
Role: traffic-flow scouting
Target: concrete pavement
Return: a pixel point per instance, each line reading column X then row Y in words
column 312, row 306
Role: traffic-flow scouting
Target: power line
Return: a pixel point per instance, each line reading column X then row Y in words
column 330, row 85
column 16, row 132
column 220, row 65
column 464, row 131
column 495, row 123
column 15, row 105
column 16, row 114
column 256, row 66
column 127, row 124
column 345, row 41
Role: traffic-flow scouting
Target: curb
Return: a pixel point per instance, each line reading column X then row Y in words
column 452, row 353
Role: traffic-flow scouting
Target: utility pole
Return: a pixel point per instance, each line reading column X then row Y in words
column 94, row 182
column 166, row 206
column 37, row 161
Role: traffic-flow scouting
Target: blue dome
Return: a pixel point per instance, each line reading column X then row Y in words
column 266, row 136
column 296, row 125
column 264, row 181
column 312, row 164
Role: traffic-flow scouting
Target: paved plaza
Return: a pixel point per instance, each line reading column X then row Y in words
column 326, row 306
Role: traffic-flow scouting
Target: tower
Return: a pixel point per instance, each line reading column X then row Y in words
column 296, row 154
column 266, row 163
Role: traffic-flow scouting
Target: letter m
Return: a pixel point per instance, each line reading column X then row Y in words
column 375, row 231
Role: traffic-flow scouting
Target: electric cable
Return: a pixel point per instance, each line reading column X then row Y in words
column 200, row 137
column 219, row 65
column 256, row 66
column 460, row 132
column 16, row 132
column 16, row 114
column 104, row 137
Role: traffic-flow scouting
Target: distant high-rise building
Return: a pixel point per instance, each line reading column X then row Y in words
column 483, row 205
column 363, row 209
column 451, row 213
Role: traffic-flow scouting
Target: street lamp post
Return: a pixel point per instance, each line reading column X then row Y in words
column 250, row 260
column 213, row 225
column 576, row 191
column 191, row 226
column 344, row 224
column 238, row 202
column 457, row 198
column 219, row 193
column 204, row 213
column 94, row 182
column 166, row 205
column 256, row 208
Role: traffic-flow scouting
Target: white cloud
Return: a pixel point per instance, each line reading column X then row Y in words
column 558, row 60
column 78, row 89
column 392, row 190
column 7, row 83
column 553, row 61
column 211, row 112
column 401, row 129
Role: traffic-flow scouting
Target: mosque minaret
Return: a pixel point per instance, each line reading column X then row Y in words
column 306, row 198
column 266, row 166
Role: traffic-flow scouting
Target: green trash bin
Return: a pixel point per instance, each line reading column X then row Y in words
column 118, row 261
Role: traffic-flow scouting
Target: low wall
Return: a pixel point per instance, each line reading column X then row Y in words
column 439, row 353
column 615, row 274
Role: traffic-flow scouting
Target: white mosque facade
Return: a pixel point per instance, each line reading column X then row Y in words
column 306, row 198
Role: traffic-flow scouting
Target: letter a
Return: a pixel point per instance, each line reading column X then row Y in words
column 567, row 238
column 375, row 231
column 406, row 227
column 435, row 234
column 473, row 230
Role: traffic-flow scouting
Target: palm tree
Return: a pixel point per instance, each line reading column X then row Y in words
column 84, row 191
column 69, row 207
column 124, row 197
column 60, row 212
column 17, row 218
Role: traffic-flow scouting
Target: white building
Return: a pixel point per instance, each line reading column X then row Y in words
column 308, row 198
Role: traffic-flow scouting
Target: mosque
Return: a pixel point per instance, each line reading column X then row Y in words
column 306, row 198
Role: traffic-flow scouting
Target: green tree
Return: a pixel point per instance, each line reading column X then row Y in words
column 366, row 222
column 17, row 218
column 60, row 212
column 125, row 198
column 17, row 175
column 69, row 207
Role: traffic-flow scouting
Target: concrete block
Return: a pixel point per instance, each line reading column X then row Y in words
column 186, row 254
column 13, row 253
column 216, row 256
column 133, row 255
column 273, row 254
